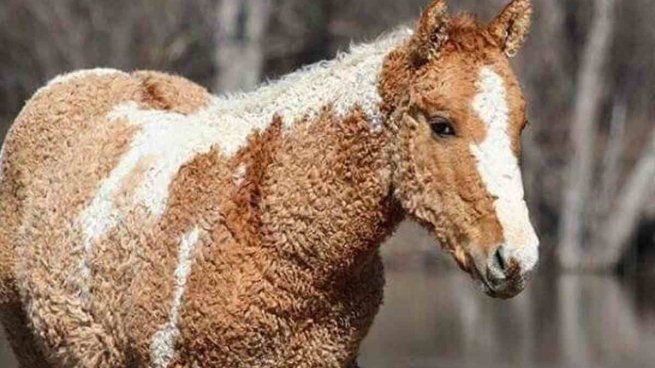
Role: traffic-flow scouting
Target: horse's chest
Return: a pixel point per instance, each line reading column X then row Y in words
column 234, row 312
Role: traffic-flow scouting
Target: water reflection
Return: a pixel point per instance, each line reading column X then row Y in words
column 432, row 319
column 6, row 358
column 441, row 320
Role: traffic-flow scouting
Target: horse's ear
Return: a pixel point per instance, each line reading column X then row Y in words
column 511, row 26
column 431, row 32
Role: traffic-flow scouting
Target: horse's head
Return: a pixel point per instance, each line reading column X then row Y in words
column 457, row 122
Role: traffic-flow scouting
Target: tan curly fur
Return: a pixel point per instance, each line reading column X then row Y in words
column 146, row 223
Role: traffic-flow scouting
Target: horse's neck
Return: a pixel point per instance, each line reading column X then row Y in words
column 326, row 200
column 325, row 197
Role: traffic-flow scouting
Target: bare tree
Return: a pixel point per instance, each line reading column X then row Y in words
column 240, row 34
column 612, row 239
column 583, row 133
column 615, row 213
column 611, row 166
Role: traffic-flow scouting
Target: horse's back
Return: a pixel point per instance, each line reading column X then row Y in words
column 60, row 150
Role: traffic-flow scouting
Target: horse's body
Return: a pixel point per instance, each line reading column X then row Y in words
column 161, row 223
column 147, row 223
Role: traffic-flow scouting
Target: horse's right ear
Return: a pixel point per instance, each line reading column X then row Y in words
column 431, row 33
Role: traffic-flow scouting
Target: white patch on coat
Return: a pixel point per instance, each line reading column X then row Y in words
column 348, row 81
column 164, row 143
column 162, row 345
column 500, row 172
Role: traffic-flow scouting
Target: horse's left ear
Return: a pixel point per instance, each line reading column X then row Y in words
column 511, row 26
column 431, row 32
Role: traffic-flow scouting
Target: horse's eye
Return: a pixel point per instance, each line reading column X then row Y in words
column 441, row 127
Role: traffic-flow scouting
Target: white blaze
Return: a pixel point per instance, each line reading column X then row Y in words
column 500, row 172
column 162, row 346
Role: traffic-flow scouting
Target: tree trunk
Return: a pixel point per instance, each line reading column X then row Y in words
column 611, row 168
column 586, row 111
column 622, row 221
column 239, row 54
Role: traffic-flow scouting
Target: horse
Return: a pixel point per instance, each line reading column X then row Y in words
column 145, row 222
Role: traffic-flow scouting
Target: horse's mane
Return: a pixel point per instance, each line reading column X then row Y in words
column 355, row 54
column 347, row 80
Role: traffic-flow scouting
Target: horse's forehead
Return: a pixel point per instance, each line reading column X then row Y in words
column 497, row 99
column 458, row 77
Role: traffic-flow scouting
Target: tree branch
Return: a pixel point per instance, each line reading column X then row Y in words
column 586, row 110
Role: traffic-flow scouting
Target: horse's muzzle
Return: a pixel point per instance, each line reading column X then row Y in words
column 503, row 273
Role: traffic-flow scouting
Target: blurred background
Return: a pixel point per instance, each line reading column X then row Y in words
column 588, row 72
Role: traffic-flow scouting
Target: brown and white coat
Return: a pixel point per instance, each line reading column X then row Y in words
column 145, row 222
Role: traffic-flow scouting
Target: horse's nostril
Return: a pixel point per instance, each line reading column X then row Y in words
column 499, row 259
column 498, row 266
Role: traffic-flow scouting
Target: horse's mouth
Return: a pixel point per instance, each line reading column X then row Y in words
column 503, row 288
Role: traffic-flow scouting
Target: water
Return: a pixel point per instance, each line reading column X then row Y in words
column 6, row 358
column 439, row 319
